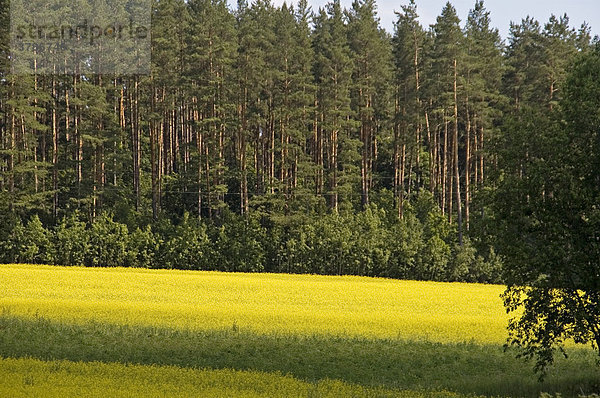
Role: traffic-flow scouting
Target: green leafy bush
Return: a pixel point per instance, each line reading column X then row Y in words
column 187, row 247
column 71, row 241
column 28, row 243
column 107, row 243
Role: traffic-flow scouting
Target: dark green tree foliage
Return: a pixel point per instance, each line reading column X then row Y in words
column 239, row 244
column 548, row 221
column 144, row 250
column 420, row 246
column 4, row 36
column 107, row 243
column 94, row 132
column 24, row 169
column 29, row 243
column 537, row 60
column 447, row 48
column 294, row 97
column 525, row 58
column 256, row 51
column 71, row 241
column 434, row 258
column 561, row 45
column 187, row 246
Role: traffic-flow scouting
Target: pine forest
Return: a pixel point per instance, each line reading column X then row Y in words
column 290, row 139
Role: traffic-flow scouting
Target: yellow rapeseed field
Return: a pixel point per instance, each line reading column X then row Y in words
column 260, row 303
column 26, row 377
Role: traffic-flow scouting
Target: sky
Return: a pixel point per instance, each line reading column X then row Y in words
column 502, row 12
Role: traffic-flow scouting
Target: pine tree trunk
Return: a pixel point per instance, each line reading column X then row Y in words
column 318, row 139
column 431, row 149
column 79, row 140
column 401, row 180
column 242, row 151
column 450, row 196
column 154, row 156
column 475, row 154
column 481, row 157
column 455, row 156
column 42, row 133
column 194, row 127
column 397, row 181
column 221, row 169
column 364, row 165
column 271, row 148
column 12, row 146
column 467, row 165
column 54, row 153
column 418, row 107
column 444, row 172
column 207, row 174
column 333, row 166
column 136, row 148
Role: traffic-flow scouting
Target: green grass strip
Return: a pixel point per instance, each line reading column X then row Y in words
column 391, row 364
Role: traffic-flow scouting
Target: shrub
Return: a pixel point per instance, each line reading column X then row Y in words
column 28, row 244
column 107, row 243
column 238, row 245
column 71, row 241
column 188, row 246
column 407, row 244
column 143, row 248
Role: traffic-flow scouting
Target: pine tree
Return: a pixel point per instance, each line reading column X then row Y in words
column 210, row 54
column 560, row 44
column 525, row 60
column 372, row 61
column 294, row 96
column 333, row 73
column 164, row 93
column 22, row 134
column 255, row 100
column 408, row 42
column 482, row 100
column 447, row 56
column 304, row 99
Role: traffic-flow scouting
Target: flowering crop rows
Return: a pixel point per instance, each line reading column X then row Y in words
column 261, row 303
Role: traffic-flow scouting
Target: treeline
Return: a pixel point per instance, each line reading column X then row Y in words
column 420, row 246
column 268, row 119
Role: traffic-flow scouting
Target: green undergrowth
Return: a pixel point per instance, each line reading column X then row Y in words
column 464, row 368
